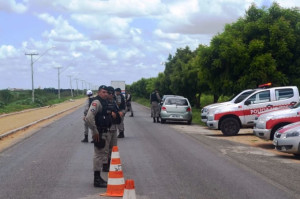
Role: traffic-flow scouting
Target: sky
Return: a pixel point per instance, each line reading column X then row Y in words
column 88, row 43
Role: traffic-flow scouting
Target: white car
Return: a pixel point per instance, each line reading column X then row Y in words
column 266, row 124
column 230, row 118
column 236, row 99
column 287, row 139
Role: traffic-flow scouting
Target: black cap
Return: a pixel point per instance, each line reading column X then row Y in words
column 102, row 87
column 110, row 89
column 118, row 89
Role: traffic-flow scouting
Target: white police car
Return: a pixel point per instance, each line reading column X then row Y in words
column 230, row 118
column 287, row 139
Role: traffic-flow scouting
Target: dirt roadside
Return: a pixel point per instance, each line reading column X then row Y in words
column 13, row 121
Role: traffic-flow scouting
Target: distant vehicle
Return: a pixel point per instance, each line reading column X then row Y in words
column 119, row 84
column 266, row 124
column 230, row 118
column 176, row 109
column 287, row 139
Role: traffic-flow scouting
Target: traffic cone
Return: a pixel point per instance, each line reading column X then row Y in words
column 115, row 183
column 129, row 191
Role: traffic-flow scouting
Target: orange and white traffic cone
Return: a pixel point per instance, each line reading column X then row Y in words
column 115, row 183
column 129, row 191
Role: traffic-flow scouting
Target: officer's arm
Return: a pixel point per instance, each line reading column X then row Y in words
column 90, row 117
column 86, row 107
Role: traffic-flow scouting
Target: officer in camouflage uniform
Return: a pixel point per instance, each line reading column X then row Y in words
column 128, row 103
column 99, row 121
column 89, row 94
column 154, row 101
column 113, row 129
column 122, row 106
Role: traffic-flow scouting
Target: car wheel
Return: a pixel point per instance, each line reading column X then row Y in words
column 189, row 122
column 163, row 121
column 230, row 126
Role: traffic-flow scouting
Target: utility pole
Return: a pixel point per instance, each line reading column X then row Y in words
column 71, row 84
column 32, row 62
column 58, row 80
column 82, row 87
column 32, row 86
column 76, row 86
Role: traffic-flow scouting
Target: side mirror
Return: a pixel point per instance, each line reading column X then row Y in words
column 247, row 102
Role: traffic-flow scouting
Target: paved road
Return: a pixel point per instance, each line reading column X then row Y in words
column 164, row 163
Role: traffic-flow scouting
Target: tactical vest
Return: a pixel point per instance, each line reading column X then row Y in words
column 103, row 118
column 154, row 97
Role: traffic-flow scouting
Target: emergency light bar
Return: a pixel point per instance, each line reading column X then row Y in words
column 265, row 85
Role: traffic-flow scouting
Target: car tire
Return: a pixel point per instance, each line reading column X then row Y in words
column 189, row 122
column 163, row 121
column 230, row 126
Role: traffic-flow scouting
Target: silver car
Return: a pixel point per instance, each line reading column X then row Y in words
column 287, row 139
column 176, row 109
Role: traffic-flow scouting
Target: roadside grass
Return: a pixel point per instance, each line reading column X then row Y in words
column 39, row 102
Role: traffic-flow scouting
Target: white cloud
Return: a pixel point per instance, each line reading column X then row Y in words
column 12, row 6
column 7, row 51
column 62, row 31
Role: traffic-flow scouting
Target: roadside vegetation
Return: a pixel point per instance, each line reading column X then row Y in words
column 263, row 46
column 11, row 101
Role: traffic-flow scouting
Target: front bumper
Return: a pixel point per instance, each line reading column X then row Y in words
column 262, row 133
column 212, row 124
column 287, row 145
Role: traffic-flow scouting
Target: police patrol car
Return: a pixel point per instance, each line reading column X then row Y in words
column 236, row 99
column 230, row 118
column 268, row 123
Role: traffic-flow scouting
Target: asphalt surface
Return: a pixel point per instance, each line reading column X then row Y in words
column 164, row 163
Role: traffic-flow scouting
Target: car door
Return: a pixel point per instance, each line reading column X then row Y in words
column 254, row 104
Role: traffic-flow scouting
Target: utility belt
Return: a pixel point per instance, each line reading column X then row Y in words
column 102, row 130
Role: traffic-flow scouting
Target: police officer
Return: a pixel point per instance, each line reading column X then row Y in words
column 122, row 106
column 154, row 100
column 113, row 129
column 128, row 103
column 88, row 102
column 99, row 121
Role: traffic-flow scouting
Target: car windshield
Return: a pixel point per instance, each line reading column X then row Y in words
column 243, row 96
column 176, row 101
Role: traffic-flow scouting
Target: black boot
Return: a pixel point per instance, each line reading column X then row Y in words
column 85, row 139
column 157, row 119
column 154, row 119
column 98, row 181
column 121, row 134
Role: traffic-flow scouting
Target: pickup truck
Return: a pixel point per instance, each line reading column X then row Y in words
column 266, row 124
column 236, row 99
column 231, row 118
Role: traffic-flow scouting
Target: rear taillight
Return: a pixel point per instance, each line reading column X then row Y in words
column 163, row 108
column 188, row 109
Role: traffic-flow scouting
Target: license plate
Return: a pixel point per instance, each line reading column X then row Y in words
column 175, row 116
column 283, row 148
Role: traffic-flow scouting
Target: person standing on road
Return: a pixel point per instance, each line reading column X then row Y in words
column 99, row 120
column 154, row 101
column 128, row 103
column 88, row 102
column 122, row 106
column 113, row 129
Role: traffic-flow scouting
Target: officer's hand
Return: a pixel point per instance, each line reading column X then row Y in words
column 96, row 137
column 121, row 114
column 114, row 115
